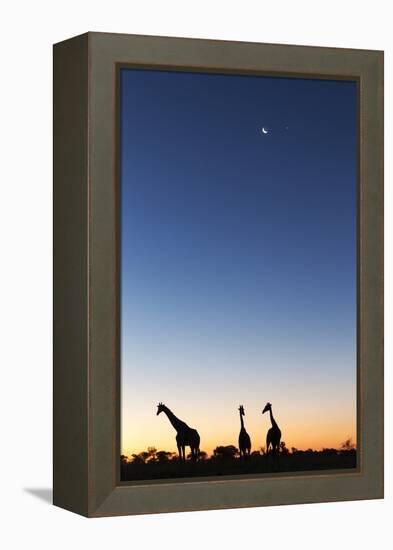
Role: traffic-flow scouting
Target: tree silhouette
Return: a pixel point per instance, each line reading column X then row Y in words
column 140, row 458
column 347, row 445
column 153, row 464
column 201, row 456
column 283, row 448
column 152, row 454
column 174, row 458
column 226, row 452
column 163, row 456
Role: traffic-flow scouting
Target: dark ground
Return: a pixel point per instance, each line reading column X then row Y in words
column 293, row 462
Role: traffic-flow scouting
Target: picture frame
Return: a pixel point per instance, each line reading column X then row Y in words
column 86, row 386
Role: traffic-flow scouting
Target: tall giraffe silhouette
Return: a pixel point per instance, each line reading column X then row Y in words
column 185, row 436
column 244, row 438
column 273, row 436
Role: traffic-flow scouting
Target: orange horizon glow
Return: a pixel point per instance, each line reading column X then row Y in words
column 300, row 429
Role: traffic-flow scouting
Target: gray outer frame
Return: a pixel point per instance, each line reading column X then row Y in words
column 86, row 292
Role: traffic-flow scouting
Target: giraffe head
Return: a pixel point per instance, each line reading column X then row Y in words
column 160, row 408
column 241, row 410
column 268, row 407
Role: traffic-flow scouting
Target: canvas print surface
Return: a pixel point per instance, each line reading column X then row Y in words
column 238, row 255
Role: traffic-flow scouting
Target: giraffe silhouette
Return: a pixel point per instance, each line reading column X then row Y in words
column 185, row 436
column 244, row 438
column 274, row 433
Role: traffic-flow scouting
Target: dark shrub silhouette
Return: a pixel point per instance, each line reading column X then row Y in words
column 225, row 460
column 283, row 448
column 140, row 458
column 201, row 456
column 163, row 456
column 227, row 452
column 347, row 445
column 152, row 452
column 330, row 452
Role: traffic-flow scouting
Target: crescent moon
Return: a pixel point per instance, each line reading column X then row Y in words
column 264, row 131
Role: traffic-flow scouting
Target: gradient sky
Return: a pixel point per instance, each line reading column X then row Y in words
column 238, row 257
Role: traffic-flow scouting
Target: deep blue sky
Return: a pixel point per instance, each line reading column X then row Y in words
column 238, row 254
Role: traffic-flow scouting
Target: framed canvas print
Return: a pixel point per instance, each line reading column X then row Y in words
column 218, row 274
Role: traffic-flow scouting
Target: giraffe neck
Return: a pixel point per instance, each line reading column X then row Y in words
column 274, row 423
column 176, row 423
column 241, row 420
